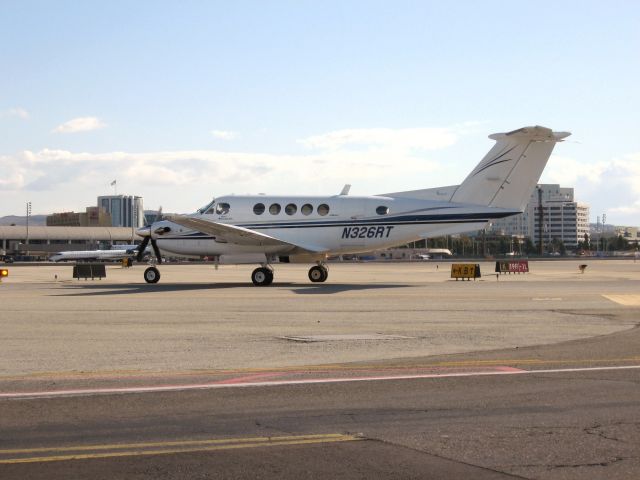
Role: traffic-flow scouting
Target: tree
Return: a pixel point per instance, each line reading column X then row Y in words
column 621, row 243
column 528, row 246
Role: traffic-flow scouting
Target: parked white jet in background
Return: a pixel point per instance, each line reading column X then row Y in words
column 117, row 252
column 267, row 229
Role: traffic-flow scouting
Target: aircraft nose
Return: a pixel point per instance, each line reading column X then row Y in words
column 144, row 231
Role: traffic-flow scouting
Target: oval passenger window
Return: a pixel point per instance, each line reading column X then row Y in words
column 274, row 209
column 382, row 210
column 290, row 209
column 323, row 209
column 259, row 208
column 306, row 209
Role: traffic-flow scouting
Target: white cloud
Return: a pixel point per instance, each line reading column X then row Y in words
column 224, row 134
column 15, row 112
column 405, row 138
column 567, row 171
column 182, row 180
column 611, row 187
column 80, row 124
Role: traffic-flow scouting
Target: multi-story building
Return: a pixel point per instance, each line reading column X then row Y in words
column 563, row 219
column 125, row 210
column 631, row 234
column 92, row 217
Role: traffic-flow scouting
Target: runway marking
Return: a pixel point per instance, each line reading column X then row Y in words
column 310, row 381
column 163, row 448
column 626, row 300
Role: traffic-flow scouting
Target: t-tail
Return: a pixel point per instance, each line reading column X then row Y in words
column 507, row 175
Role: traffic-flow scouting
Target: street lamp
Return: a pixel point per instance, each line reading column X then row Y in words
column 28, row 215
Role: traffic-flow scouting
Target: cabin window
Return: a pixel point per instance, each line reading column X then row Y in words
column 291, row 209
column 223, row 208
column 382, row 210
column 259, row 208
column 274, row 209
column 323, row 209
column 306, row 209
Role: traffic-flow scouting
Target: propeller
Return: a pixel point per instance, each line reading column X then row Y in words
column 147, row 235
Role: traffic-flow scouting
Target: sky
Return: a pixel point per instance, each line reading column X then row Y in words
column 183, row 101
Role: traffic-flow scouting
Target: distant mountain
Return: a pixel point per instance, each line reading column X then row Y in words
column 35, row 220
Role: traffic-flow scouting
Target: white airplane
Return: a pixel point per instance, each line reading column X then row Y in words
column 268, row 229
column 117, row 252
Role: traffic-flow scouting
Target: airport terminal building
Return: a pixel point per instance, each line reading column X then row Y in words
column 41, row 241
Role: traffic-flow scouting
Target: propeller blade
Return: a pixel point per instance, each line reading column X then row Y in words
column 141, row 247
column 156, row 250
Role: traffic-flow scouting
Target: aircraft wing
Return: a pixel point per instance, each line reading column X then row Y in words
column 238, row 235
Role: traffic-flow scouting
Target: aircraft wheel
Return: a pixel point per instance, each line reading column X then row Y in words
column 318, row 274
column 152, row 275
column 261, row 277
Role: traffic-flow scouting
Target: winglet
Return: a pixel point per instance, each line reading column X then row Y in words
column 345, row 189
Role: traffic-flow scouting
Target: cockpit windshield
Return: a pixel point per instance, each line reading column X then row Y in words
column 208, row 208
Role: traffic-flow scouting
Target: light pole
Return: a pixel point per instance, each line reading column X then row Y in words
column 28, row 215
column 604, row 240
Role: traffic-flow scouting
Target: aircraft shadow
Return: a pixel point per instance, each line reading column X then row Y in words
column 331, row 288
column 93, row 289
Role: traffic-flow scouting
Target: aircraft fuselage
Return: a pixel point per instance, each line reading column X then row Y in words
column 333, row 225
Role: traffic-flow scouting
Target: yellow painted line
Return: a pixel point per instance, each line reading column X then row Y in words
column 167, row 444
column 187, row 447
column 626, row 300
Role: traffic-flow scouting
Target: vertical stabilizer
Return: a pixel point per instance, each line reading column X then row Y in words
column 507, row 175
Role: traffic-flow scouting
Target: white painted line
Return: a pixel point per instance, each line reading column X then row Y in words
column 278, row 383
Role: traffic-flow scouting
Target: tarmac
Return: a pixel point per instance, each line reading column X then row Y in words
column 199, row 318
column 387, row 370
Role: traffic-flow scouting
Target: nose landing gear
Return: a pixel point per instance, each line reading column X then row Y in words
column 152, row 275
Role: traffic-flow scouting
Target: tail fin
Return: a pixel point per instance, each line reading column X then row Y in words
column 507, row 175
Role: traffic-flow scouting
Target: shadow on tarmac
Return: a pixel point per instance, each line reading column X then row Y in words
column 93, row 289
column 328, row 289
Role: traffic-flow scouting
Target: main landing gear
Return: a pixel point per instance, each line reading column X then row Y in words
column 319, row 273
column 262, row 276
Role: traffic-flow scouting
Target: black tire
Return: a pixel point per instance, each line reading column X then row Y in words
column 261, row 277
column 152, row 275
column 318, row 274
column 270, row 276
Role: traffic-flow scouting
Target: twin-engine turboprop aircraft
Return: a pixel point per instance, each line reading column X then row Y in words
column 268, row 229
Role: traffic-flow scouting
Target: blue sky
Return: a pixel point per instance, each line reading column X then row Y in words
column 183, row 101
